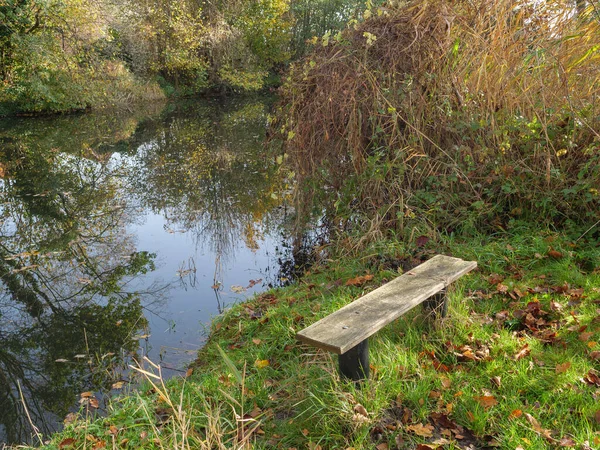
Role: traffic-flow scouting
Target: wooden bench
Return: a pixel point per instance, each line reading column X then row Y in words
column 347, row 330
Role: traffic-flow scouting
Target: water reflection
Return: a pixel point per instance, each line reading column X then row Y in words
column 88, row 204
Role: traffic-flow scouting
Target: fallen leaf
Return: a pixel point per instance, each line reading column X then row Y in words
column 359, row 281
column 584, row 337
column 487, row 401
column 189, row 372
column 66, row 443
column 422, row 241
column 525, row 351
column 562, row 368
column 496, row 381
column 70, row 418
column 255, row 412
column 597, row 416
column 382, row 446
column 305, row 432
column 256, row 341
column 360, row 409
column 595, row 355
column 118, row 385
column 99, row 444
column 592, row 378
column 426, row 447
column 516, row 413
column 445, row 382
column 94, row 403
column 61, row 360
column 261, row 363
column 538, row 428
column 567, row 442
column 238, row 289
column 554, row 254
column 421, row 430
column 495, row 278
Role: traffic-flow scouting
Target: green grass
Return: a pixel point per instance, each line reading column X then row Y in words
column 488, row 374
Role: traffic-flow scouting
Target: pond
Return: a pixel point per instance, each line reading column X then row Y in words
column 121, row 235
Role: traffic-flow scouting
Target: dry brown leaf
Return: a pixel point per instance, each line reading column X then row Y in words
column 256, row 341
column 516, row 413
column 359, row 281
column 567, row 442
column 562, row 368
column 189, row 372
column 66, row 443
column 495, row 278
column 445, row 382
column 525, row 351
column 421, row 430
column 584, row 337
column 592, row 379
column 487, row 401
column 538, row 428
column 382, row 446
column 554, row 254
column 360, row 409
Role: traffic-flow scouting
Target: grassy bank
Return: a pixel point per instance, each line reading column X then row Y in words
column 514, row 365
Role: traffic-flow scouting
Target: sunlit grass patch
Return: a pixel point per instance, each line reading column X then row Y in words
column 515, row 363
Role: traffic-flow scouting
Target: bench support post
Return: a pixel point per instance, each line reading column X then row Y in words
column 438, row 304
column 354, row 364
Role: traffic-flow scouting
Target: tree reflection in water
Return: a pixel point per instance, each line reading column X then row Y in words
column 70, row 187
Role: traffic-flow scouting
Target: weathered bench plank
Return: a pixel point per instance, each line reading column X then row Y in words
column 355, row 322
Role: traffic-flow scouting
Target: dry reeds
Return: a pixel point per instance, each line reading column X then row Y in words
column 495, row 101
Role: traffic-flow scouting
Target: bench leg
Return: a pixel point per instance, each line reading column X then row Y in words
column 354, row 364
column 438, row 303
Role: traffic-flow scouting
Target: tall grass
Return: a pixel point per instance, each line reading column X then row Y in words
column 460, row 111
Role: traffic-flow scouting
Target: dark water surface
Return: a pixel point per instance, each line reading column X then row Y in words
column 121, row 235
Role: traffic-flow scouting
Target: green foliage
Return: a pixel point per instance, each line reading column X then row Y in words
column 65, row 55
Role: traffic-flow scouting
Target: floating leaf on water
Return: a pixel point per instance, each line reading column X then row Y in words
column 143, row 336
column 238, row 289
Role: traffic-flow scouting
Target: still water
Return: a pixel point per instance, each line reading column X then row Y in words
column 121, row 235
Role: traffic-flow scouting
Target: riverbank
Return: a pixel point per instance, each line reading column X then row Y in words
column 515, row 364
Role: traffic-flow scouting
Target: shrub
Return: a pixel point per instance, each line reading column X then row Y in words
column 465, row 112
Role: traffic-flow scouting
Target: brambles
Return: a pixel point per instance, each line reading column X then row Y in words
column 462, row 113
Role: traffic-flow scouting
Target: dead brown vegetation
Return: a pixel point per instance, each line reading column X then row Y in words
column 475, row 102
